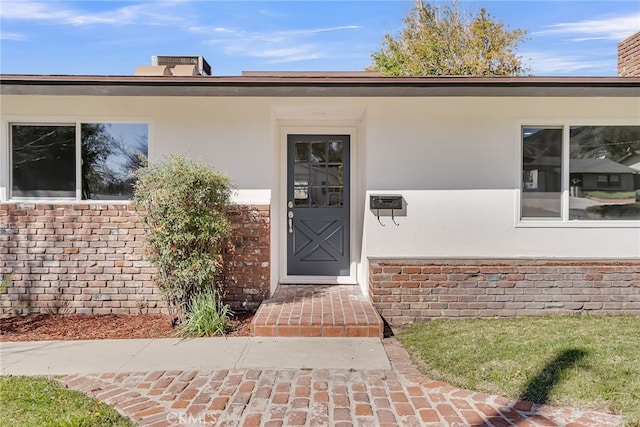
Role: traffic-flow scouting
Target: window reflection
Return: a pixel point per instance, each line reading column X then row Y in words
column 43, row 161
column 604, row 169
column 111, row 153
column 541, row 172
column 318, row 174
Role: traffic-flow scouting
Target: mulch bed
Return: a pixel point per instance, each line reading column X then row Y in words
column 49, row 327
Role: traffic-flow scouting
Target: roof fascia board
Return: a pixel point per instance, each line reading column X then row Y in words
column 319, row 86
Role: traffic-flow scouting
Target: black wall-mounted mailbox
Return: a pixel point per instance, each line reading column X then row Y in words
column 385, row 202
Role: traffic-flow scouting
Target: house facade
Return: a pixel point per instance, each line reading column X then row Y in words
column 424, row 192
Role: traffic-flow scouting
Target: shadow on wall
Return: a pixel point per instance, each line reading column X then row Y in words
column 539, row 387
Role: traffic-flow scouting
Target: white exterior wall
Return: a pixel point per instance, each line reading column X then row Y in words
column 231, row 134
column 454, row 160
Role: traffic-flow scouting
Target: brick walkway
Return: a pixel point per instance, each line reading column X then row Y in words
column 319, row 397
column 317, row 311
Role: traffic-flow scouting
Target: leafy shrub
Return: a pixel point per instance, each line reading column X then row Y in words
column 206, row 316
column 185, row 204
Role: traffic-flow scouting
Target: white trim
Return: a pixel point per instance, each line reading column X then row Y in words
column 563, row 221
column 556, row 223
column 78, row 161
column 312, row 128
column 565, row 177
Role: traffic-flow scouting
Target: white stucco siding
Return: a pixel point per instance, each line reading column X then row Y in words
column 232, row 134
column 481, row 224
column 456, row 163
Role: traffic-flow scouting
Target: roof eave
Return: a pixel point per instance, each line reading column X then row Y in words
column 320, row 86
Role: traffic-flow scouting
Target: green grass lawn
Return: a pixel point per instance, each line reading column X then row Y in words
column 36, row 401
column 580, row 361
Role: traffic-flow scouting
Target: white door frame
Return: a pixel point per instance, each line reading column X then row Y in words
column 279, row 217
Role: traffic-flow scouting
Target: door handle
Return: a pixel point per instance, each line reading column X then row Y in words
column 290, row 215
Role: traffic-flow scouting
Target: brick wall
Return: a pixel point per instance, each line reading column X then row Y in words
column 89, row 258
column 247, row 257
column 629, row 56
column 76, row 258
column 419, row 290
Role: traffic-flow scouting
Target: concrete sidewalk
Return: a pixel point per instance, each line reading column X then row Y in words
column 114, row 356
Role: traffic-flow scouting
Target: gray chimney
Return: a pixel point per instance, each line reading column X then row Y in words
column 177, row 63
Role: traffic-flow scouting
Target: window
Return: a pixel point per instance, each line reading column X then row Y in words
column 45, row 160
column 606, row 159
column 603, row 173
column 541, row 172
column 608, row 181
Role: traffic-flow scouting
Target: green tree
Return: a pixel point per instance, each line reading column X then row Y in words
column 442, row 40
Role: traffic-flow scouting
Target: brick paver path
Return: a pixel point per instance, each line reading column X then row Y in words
column 287, row 397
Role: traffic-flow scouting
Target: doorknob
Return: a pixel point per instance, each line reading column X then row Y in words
column 290, row 215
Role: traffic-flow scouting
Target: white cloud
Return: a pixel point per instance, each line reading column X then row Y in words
column 148, row 13
column 275, row 46
column 12, row 36
column 30, row 10
column 548, row 63
column 612, row 28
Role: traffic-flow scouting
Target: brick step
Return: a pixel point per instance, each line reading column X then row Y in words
column 317, row 311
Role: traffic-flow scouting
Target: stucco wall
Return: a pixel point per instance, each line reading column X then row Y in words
column 456, row 163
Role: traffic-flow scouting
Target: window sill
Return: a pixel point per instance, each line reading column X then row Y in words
column 577, row 224
column 39, row 201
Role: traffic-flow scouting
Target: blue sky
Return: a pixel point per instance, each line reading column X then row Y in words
column 576, row 38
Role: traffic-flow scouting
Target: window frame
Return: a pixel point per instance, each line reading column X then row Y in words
column 562, row 152
column 6, row 154
column 563, row 221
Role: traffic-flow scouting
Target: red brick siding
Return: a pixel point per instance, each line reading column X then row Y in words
column 629, row 56
column 89, row 258
column 418, row 290
column 247, row 257
column 76, row 258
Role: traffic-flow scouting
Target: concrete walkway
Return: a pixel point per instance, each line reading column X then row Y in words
column 274, row 382
column 114, row 356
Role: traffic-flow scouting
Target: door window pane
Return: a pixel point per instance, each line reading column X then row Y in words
column 111, row 153
column 335, row 152
column 604, row 173
column 335, row 197
column 318, row 174
column 318, row 197
column 318, row 152
column 541, row 172
column 301, row 150
column 301, row 196
column 334, row 174
column 43, row 159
